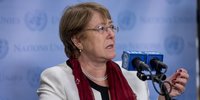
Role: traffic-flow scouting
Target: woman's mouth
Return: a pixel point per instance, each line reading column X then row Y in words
column 111, row 46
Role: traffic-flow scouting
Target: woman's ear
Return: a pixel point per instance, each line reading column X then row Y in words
column 77, row 42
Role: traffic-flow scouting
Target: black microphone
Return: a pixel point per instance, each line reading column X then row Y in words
column 155, row 61
column 139, row 64
column 134, row 61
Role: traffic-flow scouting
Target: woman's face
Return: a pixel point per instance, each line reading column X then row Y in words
column 98, row 44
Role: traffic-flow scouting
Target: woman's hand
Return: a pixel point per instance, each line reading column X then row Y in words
column 178, row 82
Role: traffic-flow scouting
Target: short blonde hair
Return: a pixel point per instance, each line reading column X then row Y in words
column 74, row 21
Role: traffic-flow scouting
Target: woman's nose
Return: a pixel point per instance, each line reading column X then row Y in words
column 110, row 32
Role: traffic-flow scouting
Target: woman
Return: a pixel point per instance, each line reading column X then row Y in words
column 88, row 34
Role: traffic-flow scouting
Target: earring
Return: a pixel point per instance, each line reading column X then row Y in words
column 80, row 50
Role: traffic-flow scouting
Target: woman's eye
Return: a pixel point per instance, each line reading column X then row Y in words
column 112, row 26
column 101, row 28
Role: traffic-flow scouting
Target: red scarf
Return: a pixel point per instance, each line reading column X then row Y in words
column 118, row 85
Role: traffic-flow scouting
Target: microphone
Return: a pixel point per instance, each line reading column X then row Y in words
column 155, row 61
column 144, row 61
column 135, row 61
column 151, row 61
column 141, row 60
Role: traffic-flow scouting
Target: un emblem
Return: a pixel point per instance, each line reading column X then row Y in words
column 125, row 58
column 173, row 1
column 174, row 44
column 3, row 48
column 126, row 20
column 36, row 20
column 33, row 76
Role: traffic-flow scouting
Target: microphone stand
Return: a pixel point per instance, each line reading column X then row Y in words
column 158, row 78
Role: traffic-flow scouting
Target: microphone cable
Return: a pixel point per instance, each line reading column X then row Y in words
column 162, row 84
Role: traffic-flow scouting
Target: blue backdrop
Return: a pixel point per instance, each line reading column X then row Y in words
column 29, row 40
